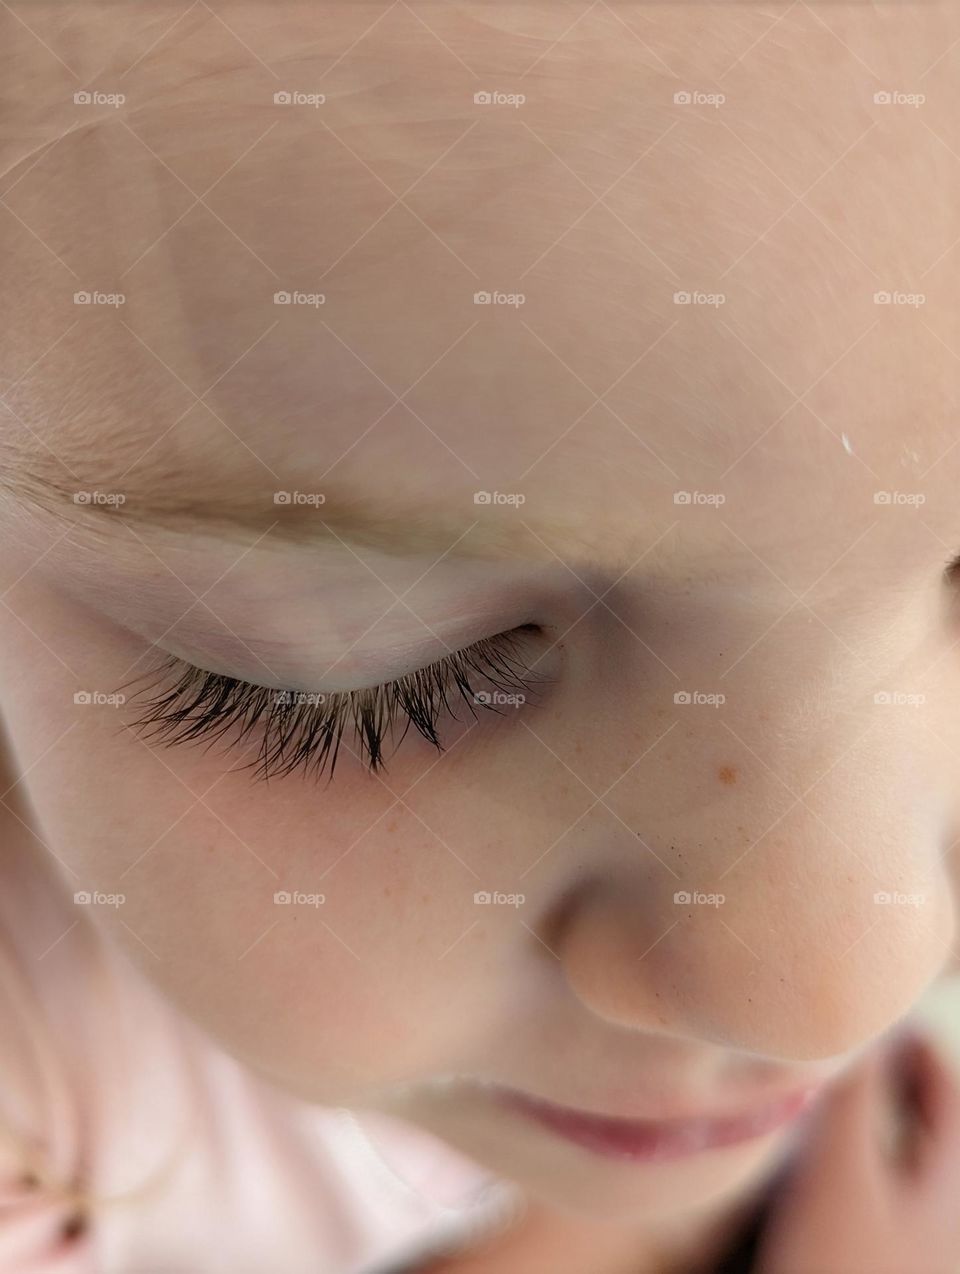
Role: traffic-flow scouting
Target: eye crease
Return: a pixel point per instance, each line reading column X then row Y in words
column 298, row 730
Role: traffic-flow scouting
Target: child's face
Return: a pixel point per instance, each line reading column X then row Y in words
column 754, row 687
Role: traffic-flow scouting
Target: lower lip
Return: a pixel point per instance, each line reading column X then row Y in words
column 645, row 1141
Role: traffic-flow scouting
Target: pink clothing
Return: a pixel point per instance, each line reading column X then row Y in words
column 194, row 1164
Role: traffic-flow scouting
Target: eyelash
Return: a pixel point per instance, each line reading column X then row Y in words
column 200, row 705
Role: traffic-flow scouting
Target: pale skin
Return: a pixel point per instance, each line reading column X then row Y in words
column 827, row 773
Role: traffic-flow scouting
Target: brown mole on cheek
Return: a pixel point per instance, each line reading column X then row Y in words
column 727, row 774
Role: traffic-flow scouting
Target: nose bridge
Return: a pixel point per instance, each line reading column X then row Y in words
column 795, row 929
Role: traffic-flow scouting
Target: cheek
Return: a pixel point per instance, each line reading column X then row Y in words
column 314, row 993
column 301, row 927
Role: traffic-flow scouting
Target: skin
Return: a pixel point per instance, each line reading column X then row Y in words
column 800, row 598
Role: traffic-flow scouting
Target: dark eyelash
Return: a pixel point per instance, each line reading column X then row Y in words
column 297, row 732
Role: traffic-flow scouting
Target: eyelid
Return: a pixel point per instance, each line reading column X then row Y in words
column 205, row 705
column 345, row 664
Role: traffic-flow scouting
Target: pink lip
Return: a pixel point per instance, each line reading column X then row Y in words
column 644, row 1140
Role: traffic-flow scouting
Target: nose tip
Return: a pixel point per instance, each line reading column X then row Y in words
column 794, row 980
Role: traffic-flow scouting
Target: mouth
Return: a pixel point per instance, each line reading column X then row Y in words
column 650, row 1141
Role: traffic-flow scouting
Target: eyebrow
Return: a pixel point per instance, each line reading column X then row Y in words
column 386, row 524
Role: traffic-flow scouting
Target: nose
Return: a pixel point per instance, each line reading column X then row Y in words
column 794, row 954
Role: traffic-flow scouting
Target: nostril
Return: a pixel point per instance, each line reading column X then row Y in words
column 912, row 1062
column 73, row 1227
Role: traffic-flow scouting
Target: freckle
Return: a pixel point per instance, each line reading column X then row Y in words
column 727, row 774
column 424, row 897
column 386, row 891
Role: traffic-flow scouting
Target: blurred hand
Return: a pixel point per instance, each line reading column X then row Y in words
column 876, row 1184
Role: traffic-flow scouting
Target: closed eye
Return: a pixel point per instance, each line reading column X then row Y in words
column 302, row 730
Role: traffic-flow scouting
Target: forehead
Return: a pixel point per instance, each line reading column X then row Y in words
column 589, row 290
